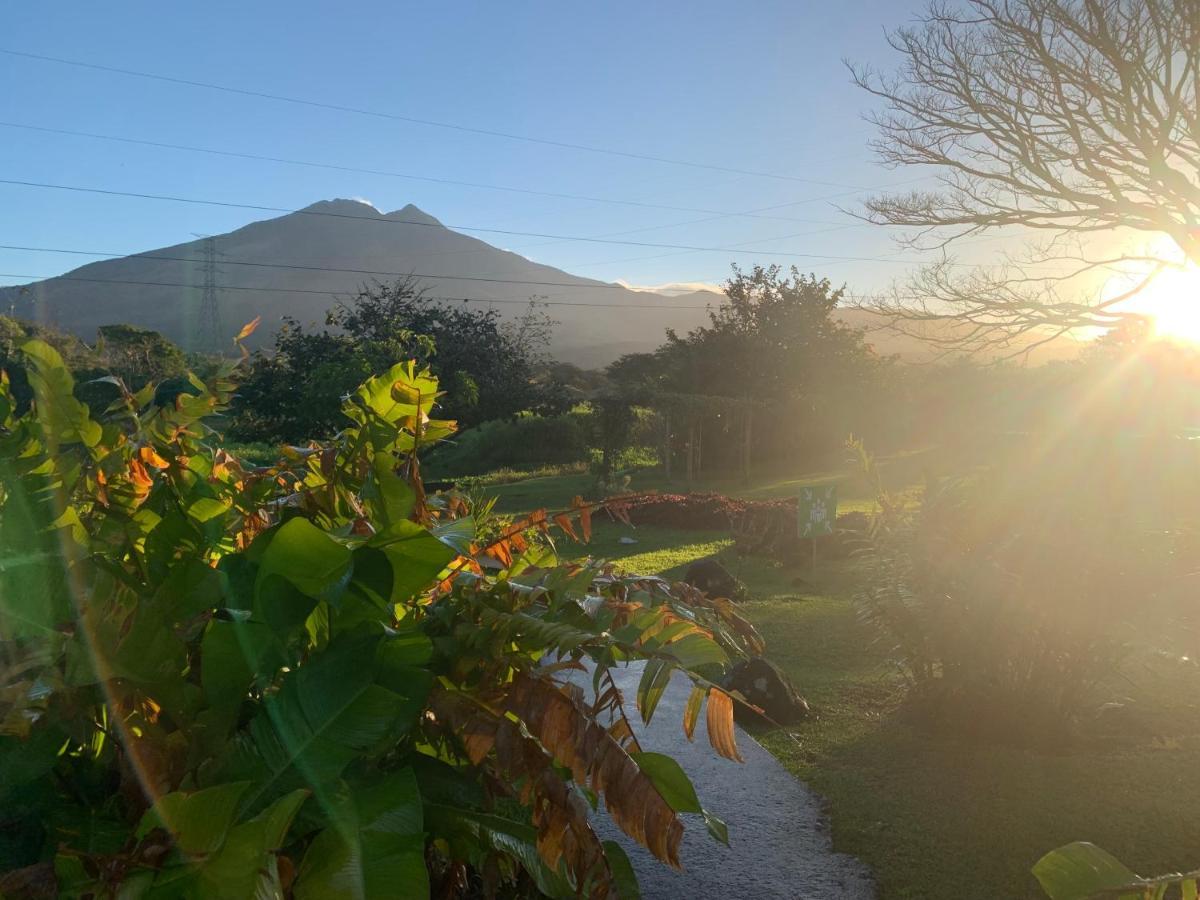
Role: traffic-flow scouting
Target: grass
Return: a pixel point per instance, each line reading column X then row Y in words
column 936, row 818
column 555, row 489
column 508, row 475
column 941, row 818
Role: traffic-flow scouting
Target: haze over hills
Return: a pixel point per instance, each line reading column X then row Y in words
column 281, row 267
column 358, row 239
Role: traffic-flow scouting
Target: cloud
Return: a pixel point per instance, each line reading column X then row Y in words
column 673, row 288
column 367, row 202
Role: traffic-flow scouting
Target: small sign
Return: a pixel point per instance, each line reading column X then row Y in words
column 817, row 510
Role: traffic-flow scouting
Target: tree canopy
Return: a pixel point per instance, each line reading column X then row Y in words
column 774, row 340
column 487, row 365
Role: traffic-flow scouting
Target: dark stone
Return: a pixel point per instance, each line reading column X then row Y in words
column 763, row 685
column 854, row 521
column 713, row 579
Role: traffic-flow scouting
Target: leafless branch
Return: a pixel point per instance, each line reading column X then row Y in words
column 1067, row 118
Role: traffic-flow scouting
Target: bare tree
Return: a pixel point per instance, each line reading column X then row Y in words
column 1074, row 119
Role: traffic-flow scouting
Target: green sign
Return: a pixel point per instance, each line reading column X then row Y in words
column 817, row 510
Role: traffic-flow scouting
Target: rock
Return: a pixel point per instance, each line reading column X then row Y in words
column 713, row 579
column 856, row 520
column 763, row 685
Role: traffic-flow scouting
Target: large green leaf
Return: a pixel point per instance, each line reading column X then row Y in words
column 677, row 789
column 400, row 392
column 374, row 845
column 417, row 558
column 197, row 822
column 34, row 591
column 306, row 556
column 623, row 876
column 243, row 868
column 62, row 417
column 230, row 654
column 149, row 651
column 669, row 780
column 695, row 651
column 655, row 678
column 1081, row 870
column 387, row 495
column 23, row 761
column 327, row 713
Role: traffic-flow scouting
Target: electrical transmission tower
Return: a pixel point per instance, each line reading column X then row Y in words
column 210, row 335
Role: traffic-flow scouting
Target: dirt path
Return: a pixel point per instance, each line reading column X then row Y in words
column 779, row 844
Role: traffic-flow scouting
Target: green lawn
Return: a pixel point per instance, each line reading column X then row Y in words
column 937, row 818
column 899, row 471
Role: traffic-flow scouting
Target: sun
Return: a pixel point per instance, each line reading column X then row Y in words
column 1171, row 301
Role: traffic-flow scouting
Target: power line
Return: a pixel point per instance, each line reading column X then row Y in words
column 504, row 231
column 334, row 293
column 379, row 114
column 432, row 179
column 601, row 285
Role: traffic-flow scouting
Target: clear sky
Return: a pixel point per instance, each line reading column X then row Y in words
column 758, row 86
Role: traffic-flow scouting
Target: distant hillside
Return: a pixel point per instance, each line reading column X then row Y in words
column 346, row 235
column 363, row 243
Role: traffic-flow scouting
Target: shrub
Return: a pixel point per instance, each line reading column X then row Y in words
column 526, row 442
column 510, row 476
column 314, row 680
column 999, row 611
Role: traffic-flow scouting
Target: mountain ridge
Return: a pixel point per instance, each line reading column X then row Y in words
column 298, row 264
column 348, row 234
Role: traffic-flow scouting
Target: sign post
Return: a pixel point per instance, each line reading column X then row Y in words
column 816, row 513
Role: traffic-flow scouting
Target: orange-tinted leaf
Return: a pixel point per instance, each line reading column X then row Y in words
column 139, row 477
column 148, row 456
column 563, row 521
column 248, row 329
column 500, row 550
column 691, row 712
column 719, row 719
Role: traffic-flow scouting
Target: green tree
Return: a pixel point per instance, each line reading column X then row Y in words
column 774, row 344
column 487, row 366
column 137, row 355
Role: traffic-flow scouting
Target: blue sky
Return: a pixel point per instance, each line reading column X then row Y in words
column 751, row 86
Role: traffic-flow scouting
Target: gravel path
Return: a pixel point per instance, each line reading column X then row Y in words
column 779, row 843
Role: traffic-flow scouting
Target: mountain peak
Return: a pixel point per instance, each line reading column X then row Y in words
column 343, row 207
column 414, row 214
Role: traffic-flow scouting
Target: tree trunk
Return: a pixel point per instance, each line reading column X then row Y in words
column 691, row 452
column 746, row 432
column 666, row 423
